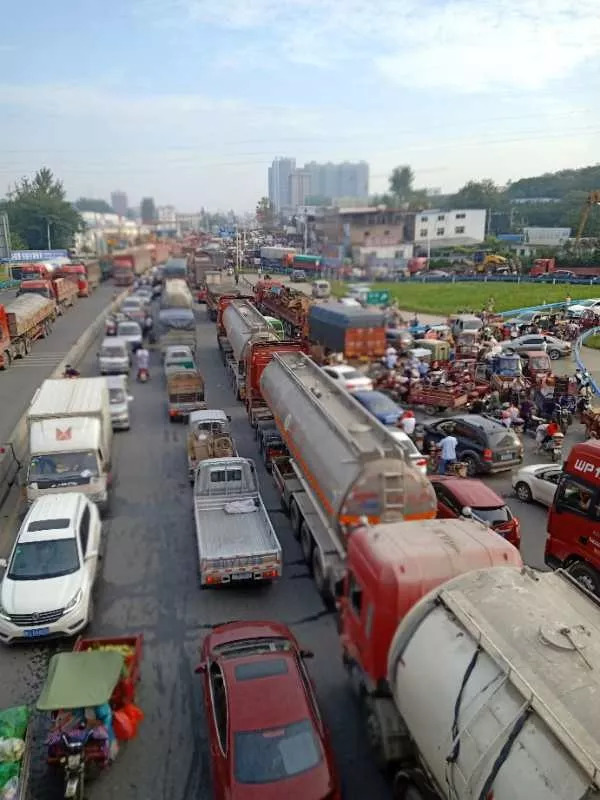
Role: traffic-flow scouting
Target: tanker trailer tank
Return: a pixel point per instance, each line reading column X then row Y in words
column 496, row 677
column 244, row 325
column 345, row 466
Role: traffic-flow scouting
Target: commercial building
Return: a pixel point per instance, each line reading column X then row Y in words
column 148, row 211
column 280, row 172
column 118, row 202
column 437, row 228
column 166, row 214
column 546, row 237
column 370, row 227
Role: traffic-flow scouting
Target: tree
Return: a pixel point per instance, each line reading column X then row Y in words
column 16, row 243
column 265, row 212
column 90, row 204
column 401, row 183
column 39, row 215
column 479, row 194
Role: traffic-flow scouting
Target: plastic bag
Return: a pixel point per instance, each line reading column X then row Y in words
column 11, row 749
column 13, row 722
column 135, row 714
column 10, row 790
column 123, row 727
column 9, row 770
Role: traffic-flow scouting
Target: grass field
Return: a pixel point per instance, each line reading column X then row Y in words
column 592, row 341
column 447, row 298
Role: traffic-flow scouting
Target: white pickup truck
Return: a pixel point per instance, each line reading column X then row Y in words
column 236, row 541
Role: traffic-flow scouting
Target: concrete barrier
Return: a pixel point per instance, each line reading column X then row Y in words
column 14, row 450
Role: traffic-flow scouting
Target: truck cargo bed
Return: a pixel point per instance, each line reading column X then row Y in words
column 226, row 535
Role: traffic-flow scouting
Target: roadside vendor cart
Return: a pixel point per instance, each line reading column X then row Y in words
column 15, row 751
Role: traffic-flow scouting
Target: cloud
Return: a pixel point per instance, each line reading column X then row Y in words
column 461, row 45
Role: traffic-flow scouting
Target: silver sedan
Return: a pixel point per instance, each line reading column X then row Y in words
column 537, row 482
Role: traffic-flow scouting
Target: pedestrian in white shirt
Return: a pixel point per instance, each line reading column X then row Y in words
column 448, row 455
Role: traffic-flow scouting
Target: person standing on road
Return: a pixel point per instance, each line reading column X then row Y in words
column 448, row 452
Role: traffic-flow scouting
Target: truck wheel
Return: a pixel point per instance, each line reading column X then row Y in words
column 6, row 360
column 306, row 544
column 586, row 576
column 321, row 579
column 373, row 730
column 295, row 518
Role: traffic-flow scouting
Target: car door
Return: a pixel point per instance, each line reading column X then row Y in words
column 219, row 730
column 547, row 483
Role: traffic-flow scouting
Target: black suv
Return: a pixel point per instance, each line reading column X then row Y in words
column 484, row 444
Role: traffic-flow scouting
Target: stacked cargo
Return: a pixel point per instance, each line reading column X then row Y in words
column 355, row 332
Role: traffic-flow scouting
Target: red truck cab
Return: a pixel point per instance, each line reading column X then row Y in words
column 389, row 568
column 76, row 273
column 541, row 266
column 573, row 540
column 36, row 272
column 37, row 286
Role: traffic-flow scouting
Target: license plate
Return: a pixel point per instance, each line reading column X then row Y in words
column 241, row 576
column 507, row 457
column 33, row 633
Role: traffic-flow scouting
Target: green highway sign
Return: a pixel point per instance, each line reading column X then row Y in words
column 378, row 298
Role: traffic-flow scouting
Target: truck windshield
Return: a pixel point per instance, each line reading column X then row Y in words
column 82, row 464
column 50, row 558
column 33, row 290
column 265, row 756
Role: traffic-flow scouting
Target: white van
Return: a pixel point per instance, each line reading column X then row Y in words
column 119, row 399
column 321, row 289
column 113, row 356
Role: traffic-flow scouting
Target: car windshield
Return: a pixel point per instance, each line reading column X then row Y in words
column 112, row 352
column 350, row 374
column 492, row 515
column 380, row 404
column 471, row 324
column 49, row 558
column 116, row 396
column 63, row 465
column 128, row 329
column 274, row 754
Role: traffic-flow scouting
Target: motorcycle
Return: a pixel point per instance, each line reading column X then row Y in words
column 553, row 445
column 143, row 374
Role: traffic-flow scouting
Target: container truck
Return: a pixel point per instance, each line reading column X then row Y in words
column 343, row 465
column 62, row 291
column 389, row 568
column 244, row 325
column 70, row 439
column 22, row 322
column 176, row 294
column 494, row 676
column 355, row 332
column 127, row 265
column 235, row 538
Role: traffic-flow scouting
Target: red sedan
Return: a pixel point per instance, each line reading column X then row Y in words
column 456, row 496
column 267, row 738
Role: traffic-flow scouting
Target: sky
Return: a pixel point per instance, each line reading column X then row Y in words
column 188, row 101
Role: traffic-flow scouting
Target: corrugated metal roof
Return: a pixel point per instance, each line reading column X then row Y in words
column 69, row 397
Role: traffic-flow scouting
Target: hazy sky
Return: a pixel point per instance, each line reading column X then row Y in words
column 189, row 100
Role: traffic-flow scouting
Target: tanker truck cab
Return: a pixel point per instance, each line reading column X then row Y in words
column 573, row 540
column 67, row 455
column 389, row 568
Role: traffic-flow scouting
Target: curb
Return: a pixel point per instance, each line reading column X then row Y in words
column 12, row 503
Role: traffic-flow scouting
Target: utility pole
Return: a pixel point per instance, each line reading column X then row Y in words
column 237, row 256
column 48, row 234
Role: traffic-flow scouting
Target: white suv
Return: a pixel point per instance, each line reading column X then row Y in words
column 46, row 589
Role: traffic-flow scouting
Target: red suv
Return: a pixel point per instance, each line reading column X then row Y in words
column 267, row 738
column 455, row 495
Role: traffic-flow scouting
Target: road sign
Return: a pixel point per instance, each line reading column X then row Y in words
column 378, row 297
column 4, row 237
column 37, row 255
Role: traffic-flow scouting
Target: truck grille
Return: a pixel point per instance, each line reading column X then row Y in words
column 43, row 618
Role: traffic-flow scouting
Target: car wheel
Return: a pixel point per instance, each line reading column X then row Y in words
column 523, row 492
column 472, row 464
column 586, row 575
column 554, row 355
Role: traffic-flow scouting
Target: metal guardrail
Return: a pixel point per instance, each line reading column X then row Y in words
column 578, row 360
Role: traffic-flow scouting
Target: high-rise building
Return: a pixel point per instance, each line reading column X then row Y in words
column 299, row 187
column 118, row 201
column 148, row 211
column 339, row 180
column 279, row 182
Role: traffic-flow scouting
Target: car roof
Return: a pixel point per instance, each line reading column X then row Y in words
column 286, row 693
column 50, row 507
column 363, row 394
column 109, row 340
column 469, row 491
column 116, row 381
column 340, row 368
column 478, row 421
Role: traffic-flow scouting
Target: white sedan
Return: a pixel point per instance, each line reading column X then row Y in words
column 351, row 378
column 132, row 333
column 537, row 482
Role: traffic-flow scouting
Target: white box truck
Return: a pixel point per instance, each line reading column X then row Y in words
column 70, row 438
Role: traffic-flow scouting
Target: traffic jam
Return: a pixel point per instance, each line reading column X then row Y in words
column 385, row 440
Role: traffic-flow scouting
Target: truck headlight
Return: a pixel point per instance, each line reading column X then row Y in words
column 74, row 600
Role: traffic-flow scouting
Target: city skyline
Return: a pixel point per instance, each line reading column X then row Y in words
column 329, row 81
column 290, row 186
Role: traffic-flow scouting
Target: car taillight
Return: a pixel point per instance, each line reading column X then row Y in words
column 421, row 462
column 487, row 455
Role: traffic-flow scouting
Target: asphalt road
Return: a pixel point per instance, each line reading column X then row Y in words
column 19, row 382
column 149, row 584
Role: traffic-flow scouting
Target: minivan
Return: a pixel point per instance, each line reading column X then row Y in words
column 321, row 289
column 119, row 399
column 113, row 356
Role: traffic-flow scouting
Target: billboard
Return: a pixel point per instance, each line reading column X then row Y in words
column 37, row 255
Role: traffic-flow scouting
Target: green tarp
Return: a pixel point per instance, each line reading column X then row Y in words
column 80, row 680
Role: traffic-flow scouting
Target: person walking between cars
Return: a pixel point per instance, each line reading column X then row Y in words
column 448, row 452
